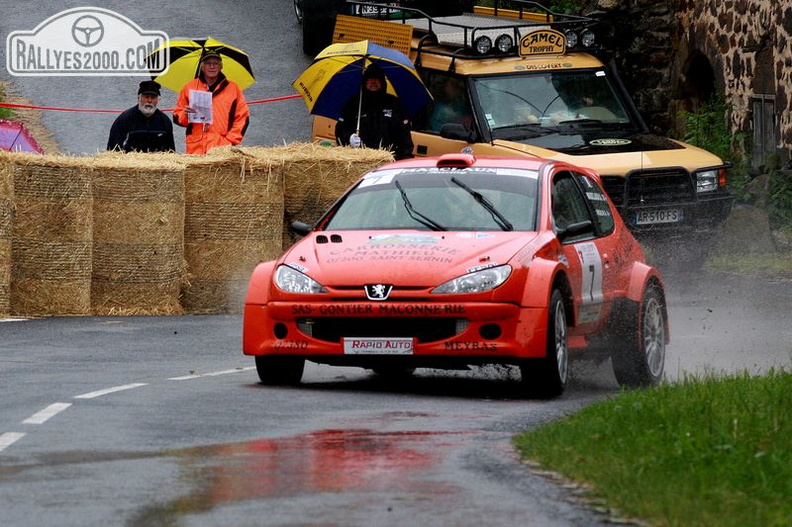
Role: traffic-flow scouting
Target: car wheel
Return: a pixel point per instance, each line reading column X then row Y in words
column 280, row 371
column 639, row 353
column 298, row 10
column 547, row 377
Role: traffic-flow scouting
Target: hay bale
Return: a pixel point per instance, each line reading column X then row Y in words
column 316, row 176
column 51, row 235
column 138, row 238
column 233, row 220
column 6, row 221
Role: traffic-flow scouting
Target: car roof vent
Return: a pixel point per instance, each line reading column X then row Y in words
column 321, row 239
column 335, row 238
column 456, row 160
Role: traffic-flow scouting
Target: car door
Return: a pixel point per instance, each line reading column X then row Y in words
column 585, row 250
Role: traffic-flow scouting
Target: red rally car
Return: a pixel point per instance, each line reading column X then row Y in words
column 460, row 261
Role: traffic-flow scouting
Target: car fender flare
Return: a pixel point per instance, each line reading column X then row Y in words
column 258, row 290
column 640, row 275
column 539, row 283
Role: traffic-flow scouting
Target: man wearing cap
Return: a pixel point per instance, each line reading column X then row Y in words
column 229, row 116
column 143, row 128
column 378, row 121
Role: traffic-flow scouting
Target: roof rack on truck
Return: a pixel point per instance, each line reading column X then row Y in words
column 486, row 32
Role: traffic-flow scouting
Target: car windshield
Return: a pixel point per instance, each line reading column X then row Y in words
column 552, row 102
column 467, row 199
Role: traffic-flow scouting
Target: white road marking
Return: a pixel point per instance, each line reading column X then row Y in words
column 9, row 438
column 210, row 374
column 99, row 393
column 12, row 319
column 46, row 414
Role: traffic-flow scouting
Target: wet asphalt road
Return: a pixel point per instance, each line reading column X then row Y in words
column 161, row 421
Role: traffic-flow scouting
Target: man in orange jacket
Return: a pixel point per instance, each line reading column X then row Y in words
column 230, row 114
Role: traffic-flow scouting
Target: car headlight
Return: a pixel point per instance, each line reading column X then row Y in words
column 476, row 282
column 706, row 181
column 291, row 280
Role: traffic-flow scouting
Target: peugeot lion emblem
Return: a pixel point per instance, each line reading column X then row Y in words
column 378, row 291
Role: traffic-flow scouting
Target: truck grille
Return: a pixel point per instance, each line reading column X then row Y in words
column 427, row 329
column 650, row 188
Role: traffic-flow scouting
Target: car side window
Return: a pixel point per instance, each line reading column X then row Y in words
column 568, row 204
column 595, row 196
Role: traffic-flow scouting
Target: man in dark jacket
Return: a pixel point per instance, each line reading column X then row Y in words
column 143, row 128
column 383, row 122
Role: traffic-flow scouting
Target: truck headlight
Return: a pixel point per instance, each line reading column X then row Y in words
column 476, row 282
column 483, row 45
column 291, row 280
column 707, row 180
column 504, row 43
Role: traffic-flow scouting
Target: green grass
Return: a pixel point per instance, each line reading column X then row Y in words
column 772, row 266
column 703, row 452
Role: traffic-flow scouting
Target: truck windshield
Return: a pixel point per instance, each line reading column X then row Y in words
column 544, row 103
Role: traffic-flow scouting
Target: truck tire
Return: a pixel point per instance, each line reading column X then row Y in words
column 318, row 24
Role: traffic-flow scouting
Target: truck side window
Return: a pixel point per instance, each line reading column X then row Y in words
column 451, row 104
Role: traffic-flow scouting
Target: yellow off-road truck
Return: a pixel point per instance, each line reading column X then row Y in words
column 527, row 82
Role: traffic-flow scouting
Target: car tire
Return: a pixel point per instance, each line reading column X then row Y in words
column 546, row 378
column 280, row 371
column 639, row 351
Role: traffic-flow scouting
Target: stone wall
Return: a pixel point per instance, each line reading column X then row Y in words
column 673, row 53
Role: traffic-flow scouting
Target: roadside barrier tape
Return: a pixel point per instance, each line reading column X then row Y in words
column 100, row 110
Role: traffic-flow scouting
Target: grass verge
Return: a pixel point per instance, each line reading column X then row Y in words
column 704, row 451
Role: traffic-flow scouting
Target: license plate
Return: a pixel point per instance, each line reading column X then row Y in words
column 377, row 346
column 644, row 217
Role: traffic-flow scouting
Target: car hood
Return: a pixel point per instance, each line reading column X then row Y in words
column 406, row 258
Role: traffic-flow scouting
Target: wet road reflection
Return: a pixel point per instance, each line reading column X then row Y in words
column 325, row 461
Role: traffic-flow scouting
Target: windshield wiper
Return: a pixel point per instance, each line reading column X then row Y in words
column 414, row 214
column 487, row 204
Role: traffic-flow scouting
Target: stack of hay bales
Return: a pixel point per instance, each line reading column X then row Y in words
column 316, row 176
column 51, row 235
column 153, row 234
column 233, row 220
column 6, row 219
column 138, row 239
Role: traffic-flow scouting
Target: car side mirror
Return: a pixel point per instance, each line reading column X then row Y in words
column 301, row 228
column 575, row 229
column 457, row 132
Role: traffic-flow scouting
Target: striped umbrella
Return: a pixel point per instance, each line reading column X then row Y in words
column 185, row 60
column 336, row 76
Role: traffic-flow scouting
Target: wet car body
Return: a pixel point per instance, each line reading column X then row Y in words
column 455, row 261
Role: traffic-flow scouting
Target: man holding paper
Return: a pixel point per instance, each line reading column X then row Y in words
column 212, row 108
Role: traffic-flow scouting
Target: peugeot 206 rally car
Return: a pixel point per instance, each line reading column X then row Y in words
column 457, row 261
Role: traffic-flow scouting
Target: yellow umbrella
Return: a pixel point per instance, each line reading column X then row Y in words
column 185, row 59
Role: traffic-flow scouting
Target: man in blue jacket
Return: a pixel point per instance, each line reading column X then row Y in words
column 143, row 128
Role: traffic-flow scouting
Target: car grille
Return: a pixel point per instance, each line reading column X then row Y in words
column 642, row 188
column 425, row 329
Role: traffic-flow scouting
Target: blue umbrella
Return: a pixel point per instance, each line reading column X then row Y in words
column 336, row 76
